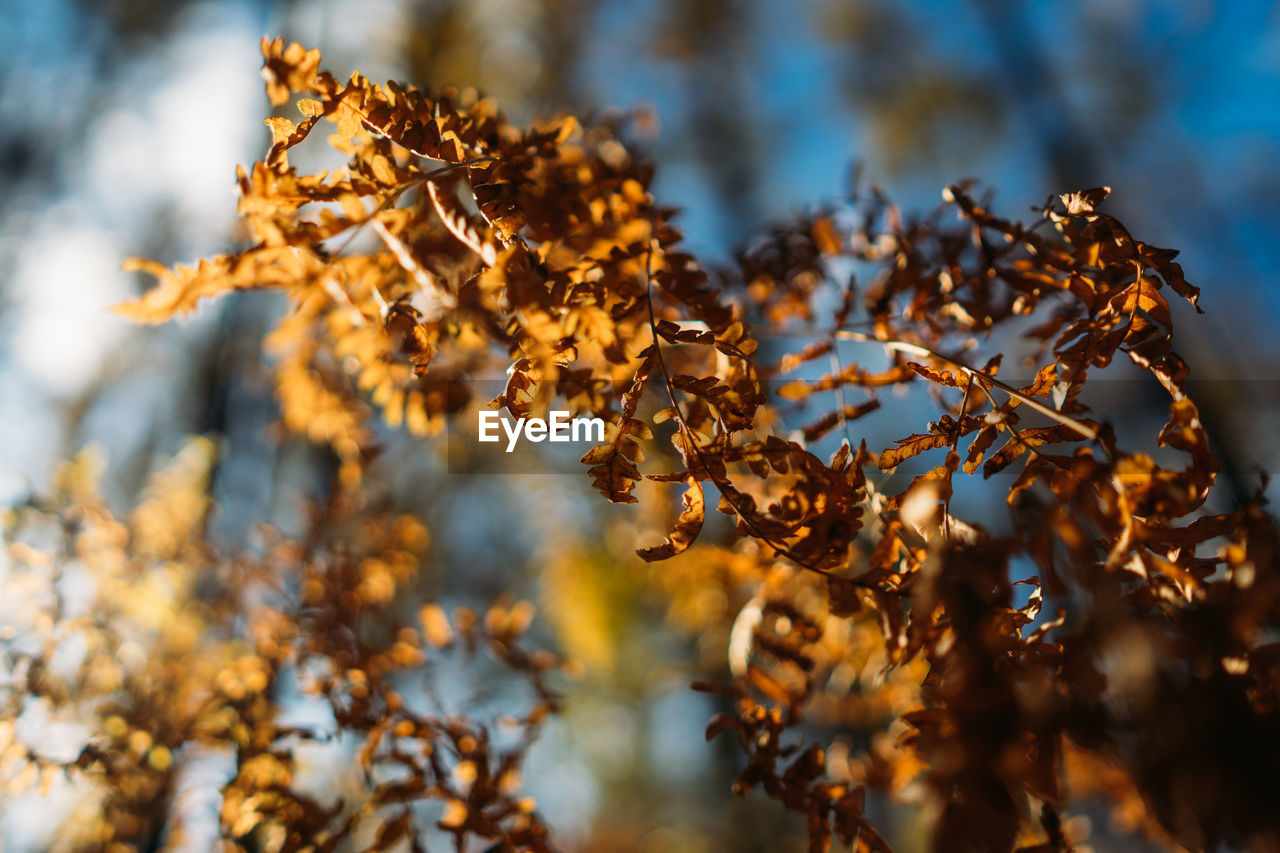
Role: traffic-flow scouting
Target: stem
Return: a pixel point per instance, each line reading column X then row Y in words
column 725, row 487
column 915, row 349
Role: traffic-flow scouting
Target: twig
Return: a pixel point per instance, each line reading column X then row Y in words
column 915, row 349
column 411, row 266
column 726, row 488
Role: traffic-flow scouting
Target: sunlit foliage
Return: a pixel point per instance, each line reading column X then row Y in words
column 453, row 243
column 137, row 653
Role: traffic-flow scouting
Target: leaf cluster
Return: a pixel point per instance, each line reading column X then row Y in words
column 541, row 252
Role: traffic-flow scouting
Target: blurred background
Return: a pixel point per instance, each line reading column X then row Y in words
column 121, row 122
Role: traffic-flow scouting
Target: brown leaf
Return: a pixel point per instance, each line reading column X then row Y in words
column 912, row 445
column 1083, row 202
column 687, row 528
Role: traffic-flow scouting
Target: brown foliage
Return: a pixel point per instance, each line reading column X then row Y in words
column 541, row 250
column 168, row 674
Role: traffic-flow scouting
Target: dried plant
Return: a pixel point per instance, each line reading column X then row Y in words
column 453, row 242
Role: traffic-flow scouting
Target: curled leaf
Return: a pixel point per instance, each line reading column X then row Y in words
column 687, row 528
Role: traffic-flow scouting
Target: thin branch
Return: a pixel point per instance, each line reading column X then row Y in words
column 924, row 352
column 726, row 488
column 424, row 279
